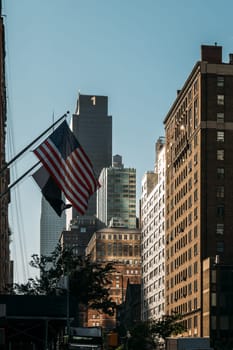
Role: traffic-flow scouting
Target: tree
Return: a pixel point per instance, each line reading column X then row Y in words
column 89, row 281
column 167, row 326
column 145, row 335
column 140, row 337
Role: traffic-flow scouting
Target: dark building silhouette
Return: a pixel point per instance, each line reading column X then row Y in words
column 34, row 321
column 93, row 128
column 5, row 275
column 129, row 312
column 218, row 302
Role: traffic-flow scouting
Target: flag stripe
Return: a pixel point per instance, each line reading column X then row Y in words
column 88, row 168
column 56, row 170
column 80, row 208
column 58, row 165
column 67, row 170
column 79, row 165
column 69, row 166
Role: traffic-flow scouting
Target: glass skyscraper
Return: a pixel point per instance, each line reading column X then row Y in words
column 116, row 198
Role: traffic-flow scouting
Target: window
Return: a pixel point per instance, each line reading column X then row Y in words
column 195, row 141
column 195, row 159
column 190, row 236
column 195, row 214
column 195, row 195
column 220, row 154
column 190, row 253
column 115, row 249
column 195, row 87
column 195, row 117
column 189, row 121
column 220, row 117
column 190, row 166
column 189, row 288
column 195, row 268
column 195, row 250
column 109, row 249
column 220, row 229
column 189, row 218
column 213, row 276
column 213, row 322
column 190, row 184
column 220, row 247
column 190, row 201
column 220, row 100
column 195, row 286
column 220, row 81
column 220, row 136
column 213, row 299
column 190, row 96
column 195, row 176
column 220, row 192
column 195, row 231
column 220, row 211
column 220, row 173
column 189, row 323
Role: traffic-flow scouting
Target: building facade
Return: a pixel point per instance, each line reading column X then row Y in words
column 79, row 233
column 92, row 126
column 199, row 174
column 5, row 266
column 152, row 218
column 51, row 227
column 116, row 198
column 218, row 302
column 121, row 247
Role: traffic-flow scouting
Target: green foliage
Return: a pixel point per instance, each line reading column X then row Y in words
column 88, row 281
column 167, row 326
column 145, row 335
column 140, row 337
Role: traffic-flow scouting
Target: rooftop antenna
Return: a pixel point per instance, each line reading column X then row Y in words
column 77, row 108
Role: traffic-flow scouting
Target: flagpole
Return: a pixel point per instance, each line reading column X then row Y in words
column 18, row 180
column 32, row 143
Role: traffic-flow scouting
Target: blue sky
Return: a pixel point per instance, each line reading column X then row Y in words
column 137, row 52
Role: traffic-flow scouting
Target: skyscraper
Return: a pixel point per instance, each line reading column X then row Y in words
column 92, row 126
column 116, row 198
column 199, row 178
column 51, row 227
column 153, row 237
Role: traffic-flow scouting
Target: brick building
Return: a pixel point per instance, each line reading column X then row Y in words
column 199, row 178
column 121, row 247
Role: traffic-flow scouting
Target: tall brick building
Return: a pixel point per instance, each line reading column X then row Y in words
column 4, row 176
column 199, row 195
column 121, row 247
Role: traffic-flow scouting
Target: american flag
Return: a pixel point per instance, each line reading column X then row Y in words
column 67, row 163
